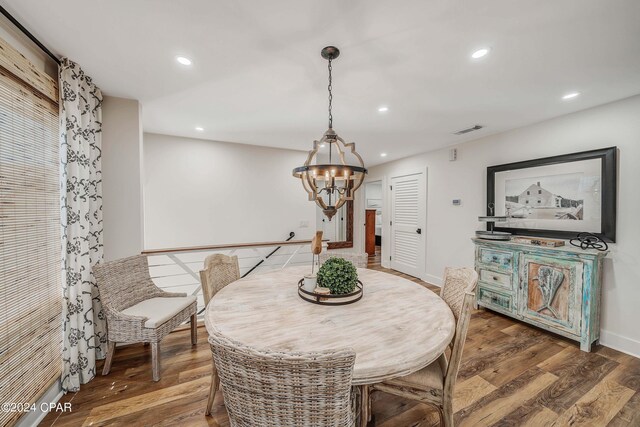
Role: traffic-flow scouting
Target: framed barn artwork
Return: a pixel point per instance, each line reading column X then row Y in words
column 558, row 196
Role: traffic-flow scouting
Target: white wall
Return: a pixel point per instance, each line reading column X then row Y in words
column 450, row 228
column 122, row 177
column 199, row 192
column 373, row 190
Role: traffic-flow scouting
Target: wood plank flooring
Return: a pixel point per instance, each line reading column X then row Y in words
column 512, row 374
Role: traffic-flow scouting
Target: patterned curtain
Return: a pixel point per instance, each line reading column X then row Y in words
column 84, row 324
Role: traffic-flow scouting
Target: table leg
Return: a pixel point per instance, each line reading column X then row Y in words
column 364, row 405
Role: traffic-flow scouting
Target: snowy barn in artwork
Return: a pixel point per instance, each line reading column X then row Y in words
column 538, row 197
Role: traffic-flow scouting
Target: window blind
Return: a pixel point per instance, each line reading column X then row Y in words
column 30, row 252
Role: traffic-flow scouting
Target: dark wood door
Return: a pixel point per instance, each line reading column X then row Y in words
column 370, row 232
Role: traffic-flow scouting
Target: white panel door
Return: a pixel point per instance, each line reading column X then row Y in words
column 408, row 208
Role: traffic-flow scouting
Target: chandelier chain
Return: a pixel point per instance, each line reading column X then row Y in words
column 330, row 96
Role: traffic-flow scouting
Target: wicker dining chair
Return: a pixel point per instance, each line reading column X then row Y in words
column 359, row 260
column 137, row 310
column 435, row 383
column 275, row 389
column 219, row 271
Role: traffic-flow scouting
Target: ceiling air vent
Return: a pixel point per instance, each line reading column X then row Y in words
column 463, row 131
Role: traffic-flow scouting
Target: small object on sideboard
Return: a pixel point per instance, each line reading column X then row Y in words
column 537, row 241
column 589, row 241
column 493, row 235
column 490, row 233
column 554, row 288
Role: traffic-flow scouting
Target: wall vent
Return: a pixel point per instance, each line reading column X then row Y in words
column 463, row 131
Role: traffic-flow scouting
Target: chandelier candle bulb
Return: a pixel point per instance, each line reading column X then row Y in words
column 329, row 193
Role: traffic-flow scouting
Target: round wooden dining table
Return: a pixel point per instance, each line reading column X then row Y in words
column 397, row 328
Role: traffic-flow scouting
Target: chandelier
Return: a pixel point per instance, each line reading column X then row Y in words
column 329, row 179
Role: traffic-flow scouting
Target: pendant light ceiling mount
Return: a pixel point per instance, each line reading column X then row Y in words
column 331, row 184
column 330, row 52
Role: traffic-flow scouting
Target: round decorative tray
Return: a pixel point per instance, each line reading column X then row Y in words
column 329, row 299
column 493, row 235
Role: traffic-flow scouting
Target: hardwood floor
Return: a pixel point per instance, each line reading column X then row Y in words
column 512, row 374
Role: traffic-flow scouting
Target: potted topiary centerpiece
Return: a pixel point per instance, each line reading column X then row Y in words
column 339, row 275
column 338, row 284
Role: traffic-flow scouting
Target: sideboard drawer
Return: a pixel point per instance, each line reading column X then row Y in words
column 495, row 258
column 495, row 299
column 497, row 279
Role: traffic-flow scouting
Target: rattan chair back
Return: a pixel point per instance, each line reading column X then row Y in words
column 219, row 271
column 275, row 389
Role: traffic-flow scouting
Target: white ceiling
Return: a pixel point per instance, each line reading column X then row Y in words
column 257, row 75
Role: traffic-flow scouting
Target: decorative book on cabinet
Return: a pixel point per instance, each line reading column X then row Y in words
column 557, row 289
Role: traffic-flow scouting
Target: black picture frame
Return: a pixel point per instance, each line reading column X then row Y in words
column 608, row 156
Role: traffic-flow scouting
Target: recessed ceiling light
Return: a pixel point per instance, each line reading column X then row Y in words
column 183, row 60
column 571, row 95
column 383, row 154
column 480, row 53
column 383, row 109
column 199, row 128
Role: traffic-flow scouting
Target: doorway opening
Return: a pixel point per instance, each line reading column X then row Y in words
column 373, row 218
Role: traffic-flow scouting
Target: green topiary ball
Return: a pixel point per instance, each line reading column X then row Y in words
column 339, row 275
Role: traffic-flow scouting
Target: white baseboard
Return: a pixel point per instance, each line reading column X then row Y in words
column 620, row 343
column 608, row 339
column 431, row 279
column 52, row 395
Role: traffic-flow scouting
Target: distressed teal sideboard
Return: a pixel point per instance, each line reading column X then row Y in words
column 557, row 289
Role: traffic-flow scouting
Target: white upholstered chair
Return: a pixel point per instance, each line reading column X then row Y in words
column 137, row 310
column 435, row 383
